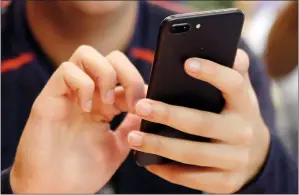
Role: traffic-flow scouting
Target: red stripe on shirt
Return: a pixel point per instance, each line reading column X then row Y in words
column 17, row 62
column 5, row 3
column 143, row 54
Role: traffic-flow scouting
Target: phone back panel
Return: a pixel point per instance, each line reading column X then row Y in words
column 215, row 40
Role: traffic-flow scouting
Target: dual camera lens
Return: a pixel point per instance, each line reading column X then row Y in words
column 181, row 28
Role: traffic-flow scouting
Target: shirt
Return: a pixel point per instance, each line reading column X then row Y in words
column 26, row 68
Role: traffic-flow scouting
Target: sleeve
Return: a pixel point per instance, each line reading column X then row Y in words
column 5, row 182
column 279, row 175
column 280, row 172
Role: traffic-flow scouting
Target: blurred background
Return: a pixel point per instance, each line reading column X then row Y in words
column 271, row 30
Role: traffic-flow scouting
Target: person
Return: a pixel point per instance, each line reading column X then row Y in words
column 282, row 67
column 73, row 96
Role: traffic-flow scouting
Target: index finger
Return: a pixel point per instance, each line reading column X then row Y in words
column 196, row 122
column 232, row 83
column 98, row 67
column 128, row 76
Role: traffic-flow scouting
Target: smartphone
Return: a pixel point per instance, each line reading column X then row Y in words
column 212, row 35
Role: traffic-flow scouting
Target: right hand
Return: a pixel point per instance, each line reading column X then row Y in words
column 67, row 145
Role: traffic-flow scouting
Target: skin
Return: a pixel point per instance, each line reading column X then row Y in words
column 60, row 34
column 240, row 138
column 67, row 145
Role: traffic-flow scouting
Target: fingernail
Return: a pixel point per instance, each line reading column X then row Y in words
column 143, row 108
column 109, row 97
column 192, row 66
column 135, row 138
column 87, row 106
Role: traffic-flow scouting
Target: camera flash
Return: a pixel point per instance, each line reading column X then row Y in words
column 198, row 26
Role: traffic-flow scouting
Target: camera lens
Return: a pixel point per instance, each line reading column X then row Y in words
column 180, row 28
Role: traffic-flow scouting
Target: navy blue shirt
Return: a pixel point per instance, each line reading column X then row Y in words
column 25, row 69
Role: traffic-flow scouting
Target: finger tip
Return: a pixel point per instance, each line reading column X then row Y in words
column 135, row 138
column 143, row 108
column 190, row 60
column 133, row 132
column 192, row 65
column 139, row 102
column 136, row 99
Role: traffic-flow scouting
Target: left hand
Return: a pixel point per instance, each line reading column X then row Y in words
column 240, row 138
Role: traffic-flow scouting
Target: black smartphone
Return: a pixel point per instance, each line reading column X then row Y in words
column 212, row 35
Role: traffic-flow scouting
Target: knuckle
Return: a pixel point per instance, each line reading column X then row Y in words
column 245, row 58
column 242, row 62
column 65, row 66
column 135, row 82
column 228, row 184
column 84, row 53
column 116, row 53
column 246, row 135
column 81, row 50
column 115, row 56
column 239, row 84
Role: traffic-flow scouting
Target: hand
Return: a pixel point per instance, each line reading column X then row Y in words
column 67, row 145
column 240, row 138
